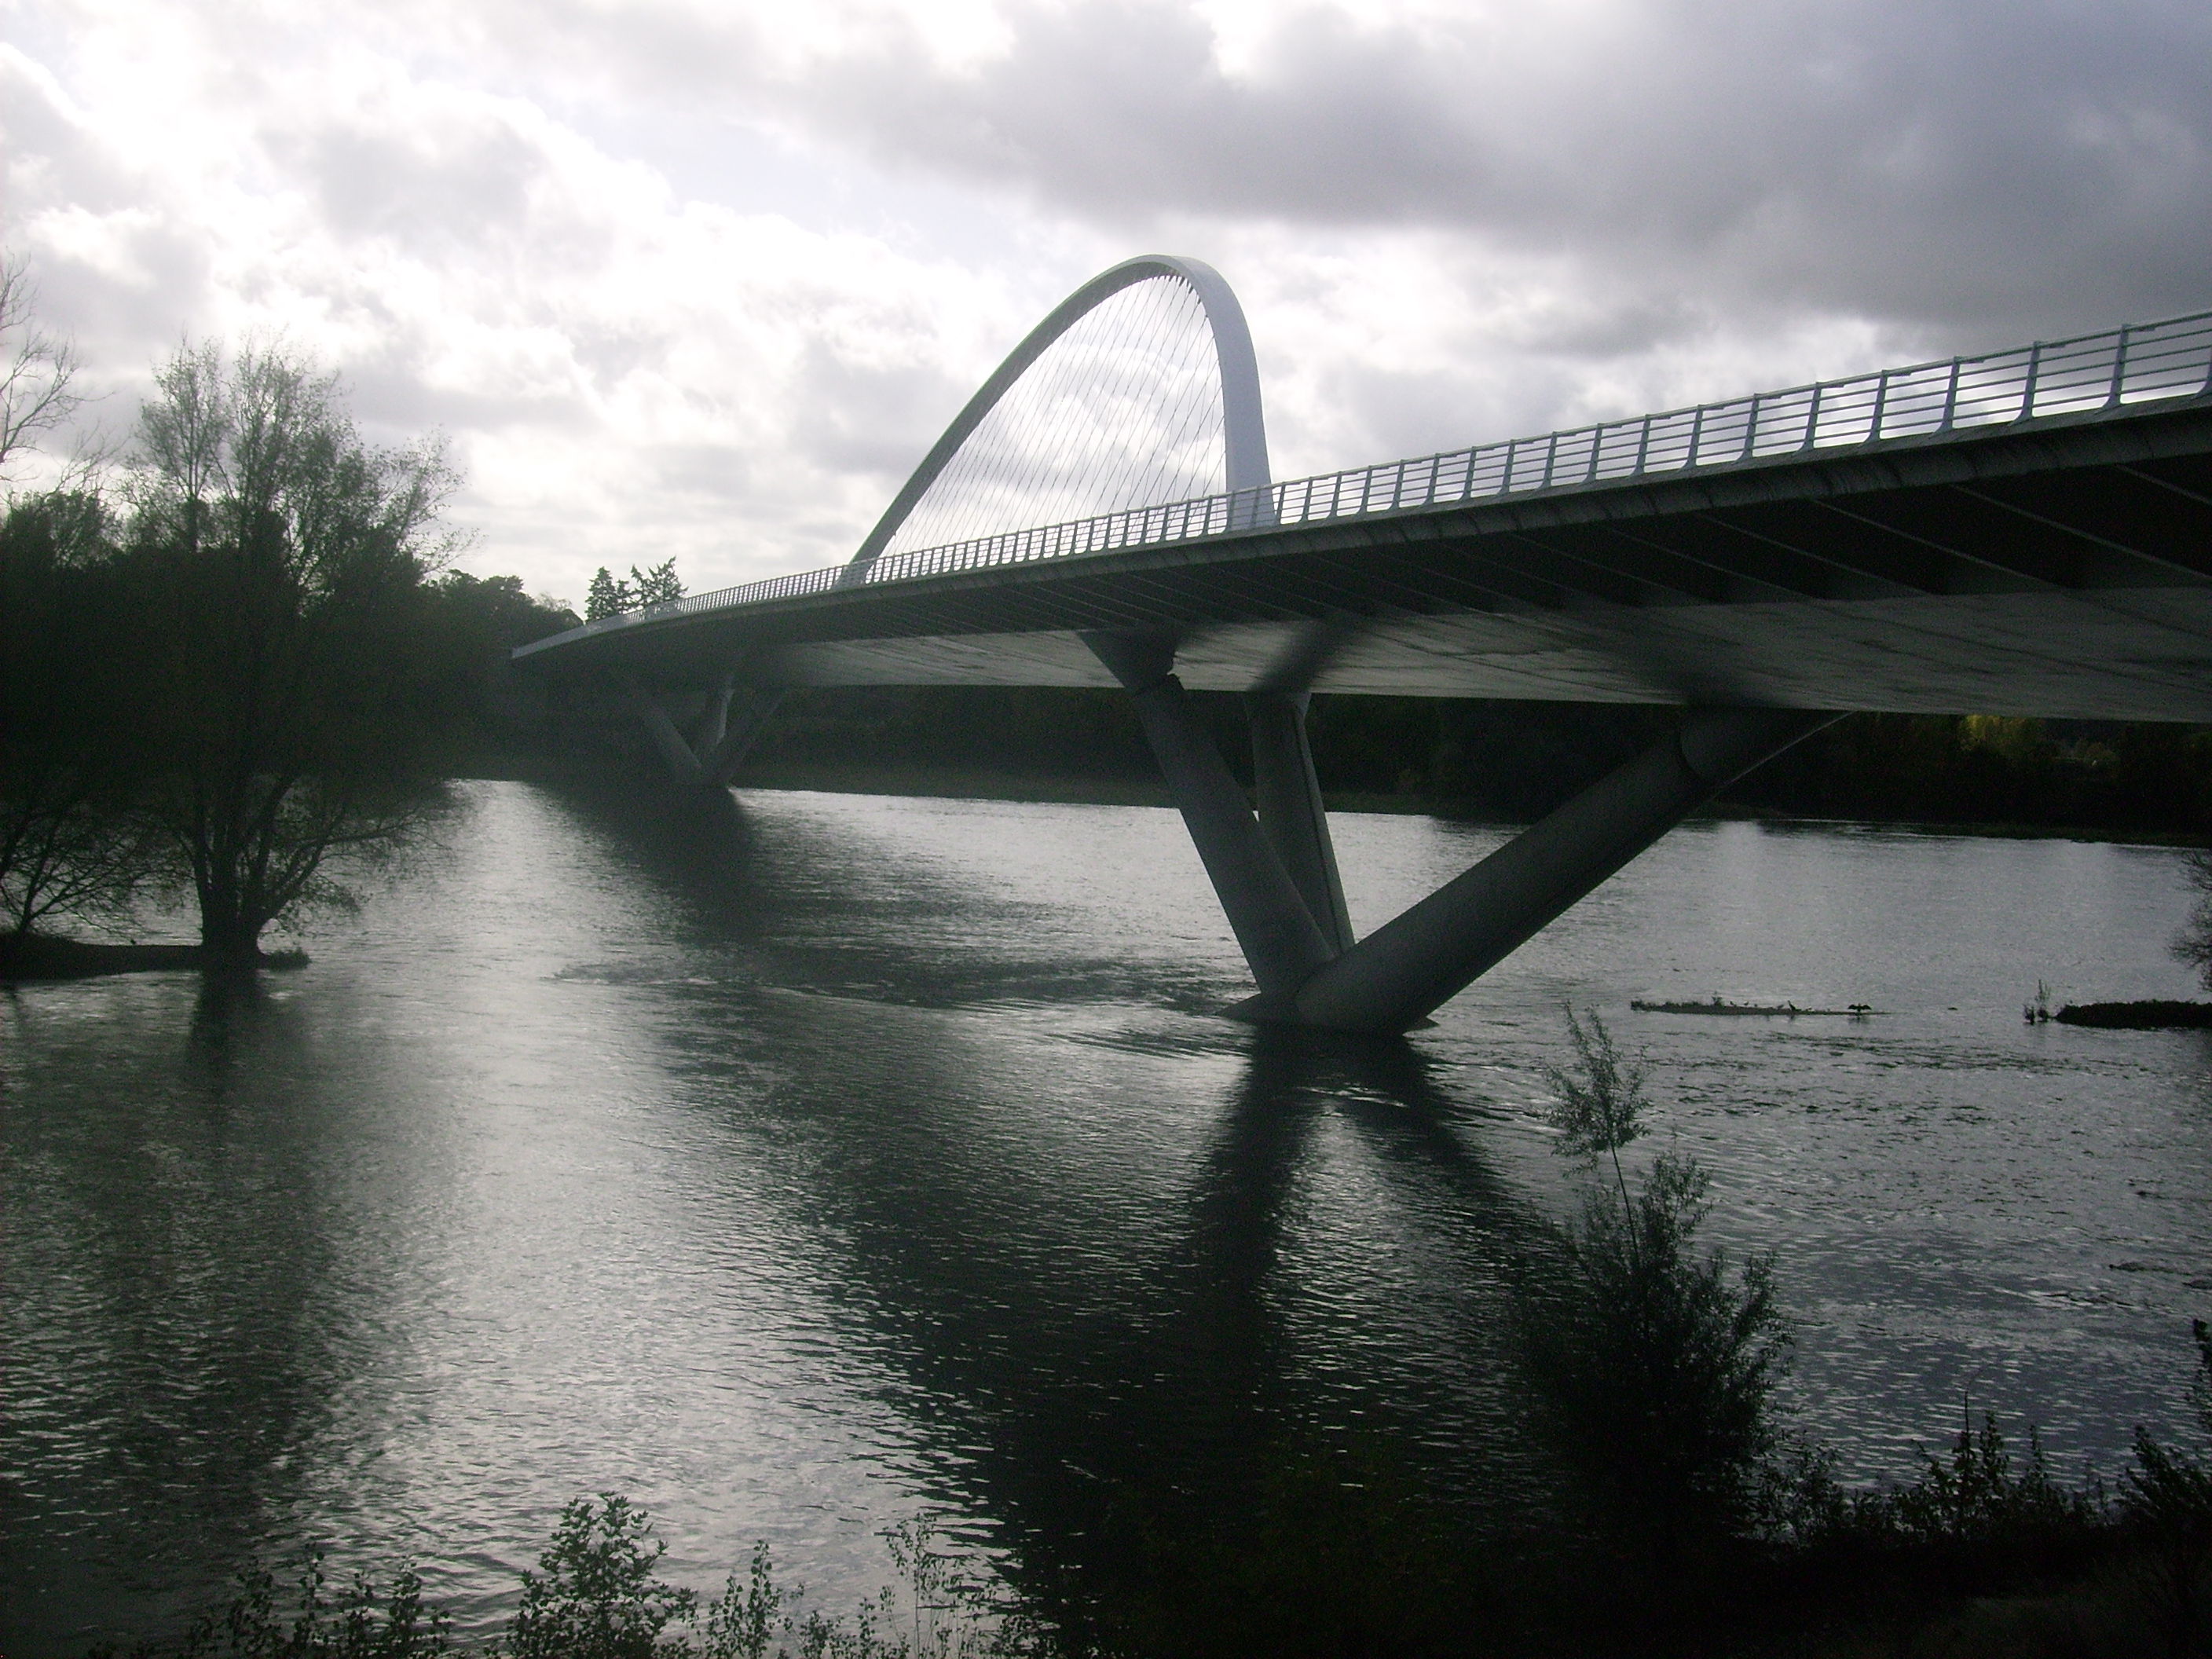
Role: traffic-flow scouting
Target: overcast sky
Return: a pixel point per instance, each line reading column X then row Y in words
column 705, row 277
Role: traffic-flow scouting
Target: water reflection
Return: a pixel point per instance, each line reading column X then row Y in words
column 182, row 1302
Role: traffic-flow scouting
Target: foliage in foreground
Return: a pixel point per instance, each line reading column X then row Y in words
column 1656, row 1367
column 598, row 1594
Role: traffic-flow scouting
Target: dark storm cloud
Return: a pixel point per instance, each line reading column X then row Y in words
column 1979, row 165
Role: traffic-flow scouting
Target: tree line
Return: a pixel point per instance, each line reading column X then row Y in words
column 1513, row 761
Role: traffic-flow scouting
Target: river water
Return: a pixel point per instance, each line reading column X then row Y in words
column 858, row 1157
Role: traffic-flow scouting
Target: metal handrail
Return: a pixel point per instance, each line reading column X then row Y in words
column 2142, row 362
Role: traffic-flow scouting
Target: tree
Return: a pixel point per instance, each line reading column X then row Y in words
column 659, row 586
column 2194, row 943
column 65, row 845
column 279, row 561
column 599, row 1596
column 1601, row 1102
column 38, row 370
column 71, row 841
column 1656, row 1366
column 607, row 596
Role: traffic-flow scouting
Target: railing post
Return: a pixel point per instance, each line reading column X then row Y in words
column 1951, row 396
column 2034, row 372
column 1813, row 418
column 1880, row 406
column 1505, row 478
column 1751, row 429
column 2120, row 367
column 1642, row 448
column 1550, row 459
column 1697, row 435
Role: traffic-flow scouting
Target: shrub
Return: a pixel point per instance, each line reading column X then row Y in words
column 600, row 1597
column 1654, row 1364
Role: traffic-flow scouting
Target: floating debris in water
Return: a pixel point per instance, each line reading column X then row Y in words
column 1767, row 1010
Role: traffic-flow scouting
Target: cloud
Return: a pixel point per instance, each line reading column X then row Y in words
column 699, row 277
column 623, row 372
column 1984, row 159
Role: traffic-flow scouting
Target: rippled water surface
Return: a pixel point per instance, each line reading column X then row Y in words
column 862, row 1156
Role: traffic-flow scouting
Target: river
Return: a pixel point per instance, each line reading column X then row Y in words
column 857, row 1157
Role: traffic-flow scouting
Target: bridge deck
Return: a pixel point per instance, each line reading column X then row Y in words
column 2056, row 564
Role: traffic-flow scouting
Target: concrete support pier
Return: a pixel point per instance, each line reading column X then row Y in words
column 743, row 724
column 731, row 723
column 668, row 742
column 1290, row 812
column 1394, row 977
column 1279, row 938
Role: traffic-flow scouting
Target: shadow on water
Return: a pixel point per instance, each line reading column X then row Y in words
column 698, row 845
column 1072, row 1388
column 1088, row 1395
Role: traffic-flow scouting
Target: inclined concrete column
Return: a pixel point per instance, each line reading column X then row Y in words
column 740, row 734
column 675, row 754
column 1292, row 815
column 1392, row 978
column 1273, row 926
column 716, row 719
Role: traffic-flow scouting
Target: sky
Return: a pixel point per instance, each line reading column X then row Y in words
column 704, row 278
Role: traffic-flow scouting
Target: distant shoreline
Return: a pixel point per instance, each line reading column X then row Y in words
column 949, row 783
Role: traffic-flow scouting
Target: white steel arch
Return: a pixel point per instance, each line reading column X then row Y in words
column 1243, row 430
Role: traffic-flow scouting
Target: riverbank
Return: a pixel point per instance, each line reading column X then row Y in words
column 2014, row 1564
column 29, row 959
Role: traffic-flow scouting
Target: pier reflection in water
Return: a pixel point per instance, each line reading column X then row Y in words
column 845, row 1157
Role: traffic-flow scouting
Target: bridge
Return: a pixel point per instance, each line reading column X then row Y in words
column 2023, row 532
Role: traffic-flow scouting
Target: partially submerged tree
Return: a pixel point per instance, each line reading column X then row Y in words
column 2194, row 944
column 71, row 842
column 280, row 562
column 68, row 842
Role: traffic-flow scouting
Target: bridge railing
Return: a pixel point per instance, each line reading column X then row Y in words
column 2142, row 362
